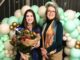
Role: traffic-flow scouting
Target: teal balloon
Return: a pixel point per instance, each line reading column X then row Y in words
column 61, row 11
column 77, row 22
column 5, row 38
column 74, row 33
column 12, row 19
column 62, row 17
column 7, row 58
column 77, row 14
column 37, row 18
column 75, row 53
column 20, row 19
column 69, row 26
column 73, row 58
column 2, row 54
column 5, row 20
column 63, row 22
column 41, row 22
column 1, row 46
column 78, row 38
column 35, row 8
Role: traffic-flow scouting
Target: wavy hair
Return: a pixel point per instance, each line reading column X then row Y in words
column 54, row 5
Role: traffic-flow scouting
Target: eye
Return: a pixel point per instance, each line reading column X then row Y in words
column 50, row 11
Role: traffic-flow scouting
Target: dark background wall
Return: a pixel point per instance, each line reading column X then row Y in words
column 9, row 6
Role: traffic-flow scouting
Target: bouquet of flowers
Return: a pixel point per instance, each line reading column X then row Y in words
column 26, row 39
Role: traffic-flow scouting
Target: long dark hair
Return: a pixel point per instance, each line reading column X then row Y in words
column 24, row 18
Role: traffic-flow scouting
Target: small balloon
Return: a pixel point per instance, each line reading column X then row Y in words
column 17, row 13
column 35, row 8
column 4, row 29
column 4, row 21
column 12, row 19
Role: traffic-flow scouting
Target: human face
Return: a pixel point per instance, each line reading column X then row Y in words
column 51, row 13
column 29, row 18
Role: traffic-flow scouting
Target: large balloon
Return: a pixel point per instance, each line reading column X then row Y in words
column 74, row 34
column 70, row 14
column 4, row 29
column 24, row 8
column 42, row 10
column 75, row 53
column 35, row 8
column 4, row 21
column 12, row 19
column 17, row 13
column 69, row 26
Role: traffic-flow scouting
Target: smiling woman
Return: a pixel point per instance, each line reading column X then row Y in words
column 52, row 34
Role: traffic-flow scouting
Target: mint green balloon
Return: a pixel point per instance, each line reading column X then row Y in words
column 61, row 11
column 41, row 21
column 1, row 46
column 62, row 17
column 2, row 54
column 75, row 53
column 63, row 22
column 4, row 21
column 76, row 22
column 35, row 8
column 78, row 38
column 37, row 18
column 77, row 14
column 74, row 33
column 20, row 19
column 5, row 38
column 73, row 58
column 12, row 19
column 69, row 26
column 7, row 58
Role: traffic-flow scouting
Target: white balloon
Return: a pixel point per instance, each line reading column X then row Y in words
column 24, row 8
column 70, row 14
column 71, row 43
column 66, row 58
column 42, row 10
column 67, row 51
column 4, row 29
column 17, row 13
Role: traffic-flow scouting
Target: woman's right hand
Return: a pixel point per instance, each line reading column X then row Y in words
column 44, row 53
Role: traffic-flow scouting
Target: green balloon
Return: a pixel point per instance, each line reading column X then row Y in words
column 61, row 11
column 5, row 21
column 5, row 38
column 73, row 58
column 1, row 46
column 75, row 53
column 35, row 8
column 76, row 21
column 78, row 38
column 2, row 54
column 77, row 14
column 41, row 22
column 12, row 19
column 37, row 18
column 69, row 26
column 74, row 33
column 7, row 58
column 20, row 19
